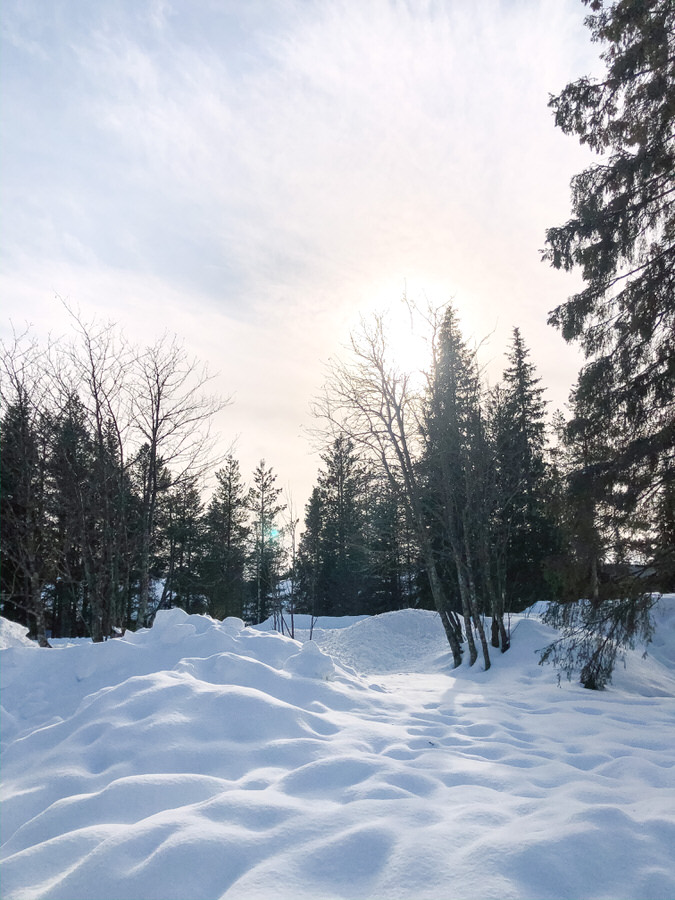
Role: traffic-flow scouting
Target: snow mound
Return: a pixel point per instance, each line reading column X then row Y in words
column 201, row 759
column 14, row 635
column 310, row 662
column 411, row 640
column 662, row 646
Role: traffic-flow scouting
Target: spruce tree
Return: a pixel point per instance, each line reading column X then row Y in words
column 265, row 553
column 622, row 238
column 186, row 537
column 342, row 482
column 457, row 464
column 70, row 467
column 393, row 558
column 525, row 533
column 334, row 560
column 226, row 539
column 310, row 556
column 27, row 560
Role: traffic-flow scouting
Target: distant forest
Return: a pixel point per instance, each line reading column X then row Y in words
column 434, row 490
column 105, row 449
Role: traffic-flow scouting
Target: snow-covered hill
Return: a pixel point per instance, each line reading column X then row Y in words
column 201, row 759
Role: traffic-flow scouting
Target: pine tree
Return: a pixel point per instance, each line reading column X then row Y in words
column 380, row 408
column 162, row 546
column 665, row 538
column 26, row 528
column 393, row 559
column 172, row 414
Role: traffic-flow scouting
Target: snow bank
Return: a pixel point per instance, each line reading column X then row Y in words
column 14, row 635
column 199, row 760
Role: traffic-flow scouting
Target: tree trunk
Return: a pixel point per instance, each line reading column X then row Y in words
column 38, row 611
column 466, row 609
column 500, row 637
column 442, row 606
column 473, row 603
column 144, row 588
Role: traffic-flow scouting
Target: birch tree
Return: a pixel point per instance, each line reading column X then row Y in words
column 377, row 405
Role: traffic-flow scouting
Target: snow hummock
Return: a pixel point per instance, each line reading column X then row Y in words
column 14, row 635
column 200, row 759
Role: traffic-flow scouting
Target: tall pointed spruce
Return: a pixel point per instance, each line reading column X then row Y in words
column 265, row 548
column 226, row 538
column 526, row 534
column 622, row 237
column 457, row 464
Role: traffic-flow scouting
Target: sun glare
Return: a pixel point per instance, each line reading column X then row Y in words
column 410, row 349
column 407, row 331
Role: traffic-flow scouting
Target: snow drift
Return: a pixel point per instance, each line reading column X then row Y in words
column 201, row 759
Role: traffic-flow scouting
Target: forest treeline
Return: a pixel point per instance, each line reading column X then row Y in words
column 436, row 491
column 105, row 448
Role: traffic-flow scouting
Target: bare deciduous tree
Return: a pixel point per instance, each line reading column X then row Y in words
column 171, row 414
column 26, row 540
column 373, row 402
column 95, row 367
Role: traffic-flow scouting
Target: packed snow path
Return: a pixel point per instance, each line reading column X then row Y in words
column 203, row 760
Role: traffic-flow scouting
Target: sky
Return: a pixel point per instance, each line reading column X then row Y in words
column 255, row 176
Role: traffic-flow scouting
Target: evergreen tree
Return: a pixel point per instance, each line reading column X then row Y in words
column 342, row 483
column 85, row 527
column 161, row 547
column 27, row 548
column 26, row 528
column 356, row 536
column 458, row 466
column 70, row 468
column 106, row 561
column 664, row 554
column 172, row 414
column 622, row 237
column 186, row 541
column 310, row 587
column 266, row 553
column 525, row 535
column 393, row 559
column 588, row 513
column 226, row 541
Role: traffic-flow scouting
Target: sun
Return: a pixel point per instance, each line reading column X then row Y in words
column 408, row 342
column 407, row 336
column 406, row 311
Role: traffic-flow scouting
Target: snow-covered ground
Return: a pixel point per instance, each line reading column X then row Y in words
column 201, row 759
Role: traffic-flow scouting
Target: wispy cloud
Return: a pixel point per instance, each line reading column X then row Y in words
column 265, row 166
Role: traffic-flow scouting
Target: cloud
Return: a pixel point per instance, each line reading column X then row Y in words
column 254, row 175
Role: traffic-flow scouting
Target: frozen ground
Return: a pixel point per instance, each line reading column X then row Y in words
column 203, row 760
